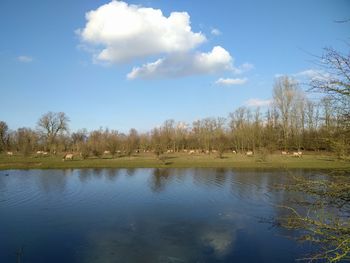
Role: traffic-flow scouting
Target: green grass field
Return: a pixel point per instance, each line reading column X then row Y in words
column 178, row 160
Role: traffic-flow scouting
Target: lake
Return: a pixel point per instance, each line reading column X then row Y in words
column 144, row 215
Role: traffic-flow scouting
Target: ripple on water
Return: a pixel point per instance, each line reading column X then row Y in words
column 205, row 215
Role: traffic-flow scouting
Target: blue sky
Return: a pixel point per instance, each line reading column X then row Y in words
column 48, row 64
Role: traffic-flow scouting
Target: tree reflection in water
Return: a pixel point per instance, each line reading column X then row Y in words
column 143, row 215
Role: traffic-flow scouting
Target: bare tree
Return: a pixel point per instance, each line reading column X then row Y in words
column 50, row 124
column 78, row 139
column 112, row 141
column 26, row 140
column 96, row 143
column 3, row 135
column 284, row 93
column 157, row 144
column 181, row 131
column 333, row 79
column 132, row 142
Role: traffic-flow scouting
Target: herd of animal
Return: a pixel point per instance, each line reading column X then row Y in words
column 247, row 153
column 70, row 156
column 38, row 153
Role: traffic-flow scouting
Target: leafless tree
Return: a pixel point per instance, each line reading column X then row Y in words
column 132, row 142
column 333, row 79
column 112, row 141
column 3, row 136
column 26, row 140
column 50, row 124
column 284, row 95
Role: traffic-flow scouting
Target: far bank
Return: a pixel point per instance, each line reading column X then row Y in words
column 177, row 160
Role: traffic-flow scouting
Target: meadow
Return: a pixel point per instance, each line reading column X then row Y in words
column 177, row 160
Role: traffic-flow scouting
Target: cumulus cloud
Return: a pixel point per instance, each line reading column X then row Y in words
column 230, row 81
column 118, row 32
column 184, row 64
column 215, row 32
column 126, row 32
column 24, row 59
column 258, row 103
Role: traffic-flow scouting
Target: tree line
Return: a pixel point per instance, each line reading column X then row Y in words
column 291, row 122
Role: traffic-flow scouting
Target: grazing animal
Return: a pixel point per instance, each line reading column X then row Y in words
column 68, row 156
column 249, row 153
column 191, row 152
column 284, row 153
column 234, row 152
column 214, row 151
column 297, row 154
column 10, row 153
column 42, row 153
column 106, row 152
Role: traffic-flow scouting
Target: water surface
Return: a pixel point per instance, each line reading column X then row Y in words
column 143, row 215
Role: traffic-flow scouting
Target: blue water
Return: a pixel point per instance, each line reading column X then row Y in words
column 144, row 215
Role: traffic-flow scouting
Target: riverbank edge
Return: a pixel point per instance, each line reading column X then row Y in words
column 237, row 161
column 152, row 164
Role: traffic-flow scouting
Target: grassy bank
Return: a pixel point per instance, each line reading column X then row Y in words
column 178, row 160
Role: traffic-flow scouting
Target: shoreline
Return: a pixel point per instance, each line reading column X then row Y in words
column 317, row 162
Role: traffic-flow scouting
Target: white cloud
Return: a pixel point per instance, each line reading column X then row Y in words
column 25, row 59
column 306, row 73
column 230, row 81
column 312, row 74
column 185, row 64
column 125, row 32
column 119, row 32
column 215, row 32
column 258, row 103
column 243, row 68
column 182, row 126
column 278, row 75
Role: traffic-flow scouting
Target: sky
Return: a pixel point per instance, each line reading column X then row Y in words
column 135, row 64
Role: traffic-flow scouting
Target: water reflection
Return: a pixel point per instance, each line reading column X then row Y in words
column 85, row 175
column 130, row 171
column 143, row 215
column 211, row 177
column 54, row 181
column 159, row 179
column 112, row 174
column 159, row 241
